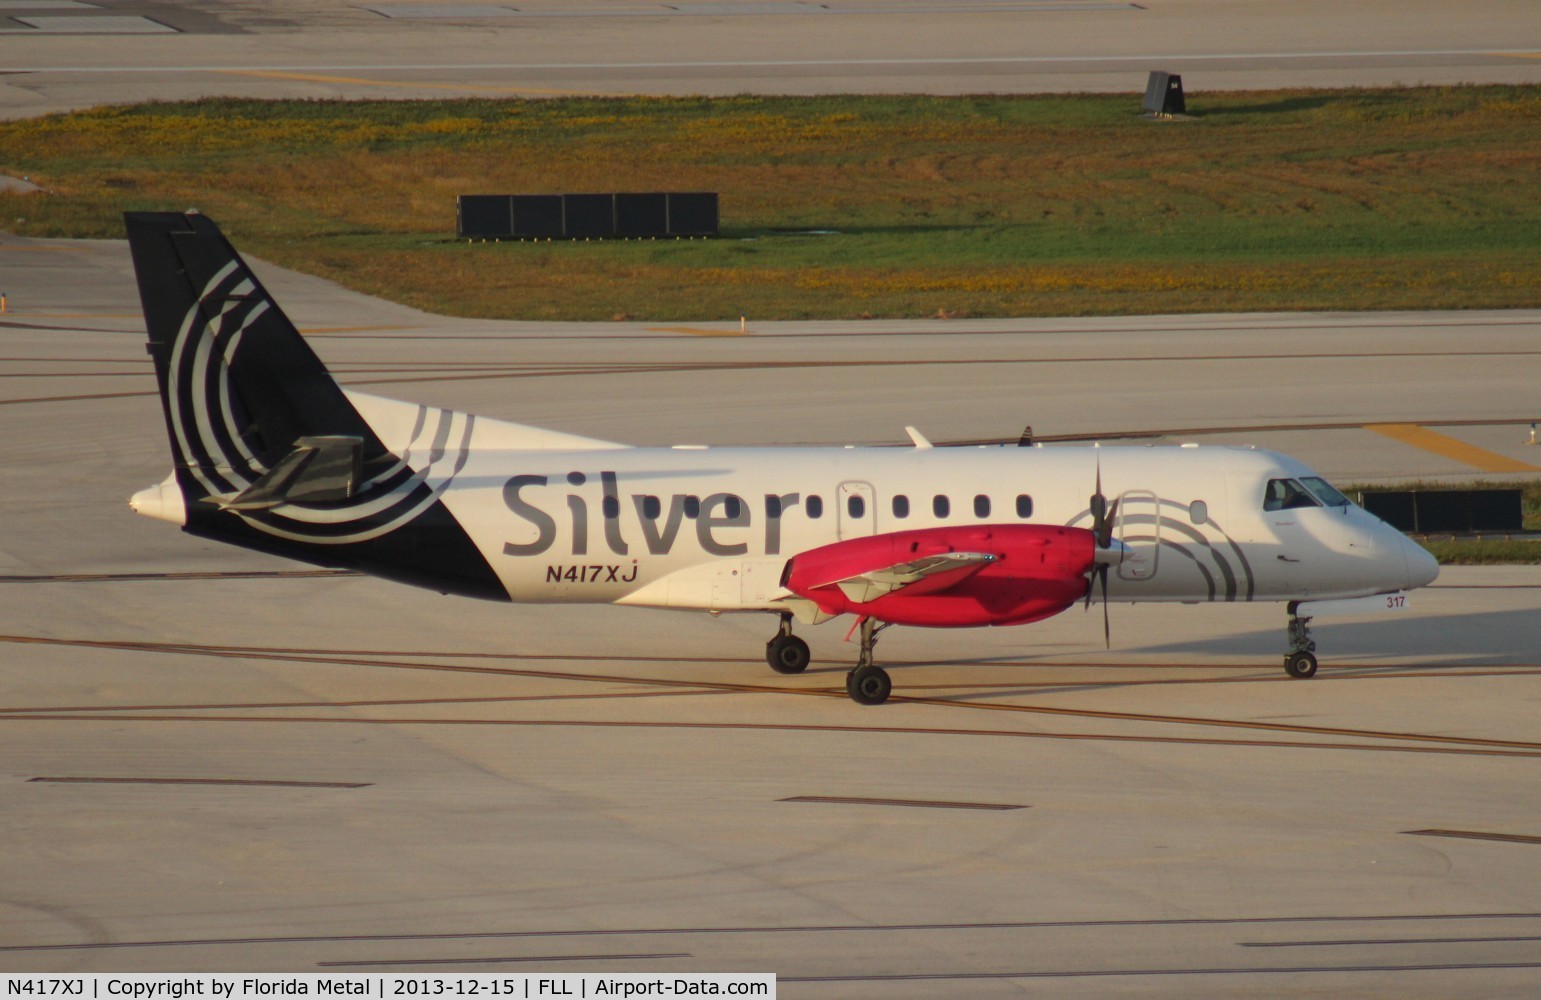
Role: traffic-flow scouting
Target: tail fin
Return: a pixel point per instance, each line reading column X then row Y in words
column 268, row 451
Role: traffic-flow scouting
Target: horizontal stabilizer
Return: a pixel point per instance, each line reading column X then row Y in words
column 320, row 469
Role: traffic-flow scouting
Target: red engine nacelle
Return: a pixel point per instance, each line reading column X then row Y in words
column 1037, row 571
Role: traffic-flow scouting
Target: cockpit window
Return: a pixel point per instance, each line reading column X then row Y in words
column 1288, row 494
column 1325, row 491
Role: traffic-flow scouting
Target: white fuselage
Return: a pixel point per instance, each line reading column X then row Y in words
column 566, row 519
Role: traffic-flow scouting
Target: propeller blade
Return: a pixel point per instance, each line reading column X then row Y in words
column 1107, row 626
column 1105, row 528
column 1098, row 504
column 1103, row 517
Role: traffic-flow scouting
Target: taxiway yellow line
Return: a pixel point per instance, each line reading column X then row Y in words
column 1449, row 447
column 273, row 74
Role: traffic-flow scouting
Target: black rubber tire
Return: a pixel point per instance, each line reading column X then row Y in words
column 1301, row 665
column 868, row 685
column 787, row 654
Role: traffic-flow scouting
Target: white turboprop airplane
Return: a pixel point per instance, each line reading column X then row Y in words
column 271, row 453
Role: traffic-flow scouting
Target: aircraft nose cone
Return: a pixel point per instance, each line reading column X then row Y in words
column 1422, row 568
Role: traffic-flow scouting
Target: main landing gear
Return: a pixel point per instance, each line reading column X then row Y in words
column 1300, row 661
column 786, row 653
column 868, row 684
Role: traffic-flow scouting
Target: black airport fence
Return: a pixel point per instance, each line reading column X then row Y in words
column 1455, row 511
column 586, row 216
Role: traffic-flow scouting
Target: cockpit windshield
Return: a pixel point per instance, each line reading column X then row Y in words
column 1308, row 491
column 1325, row 491
column 1286, row 494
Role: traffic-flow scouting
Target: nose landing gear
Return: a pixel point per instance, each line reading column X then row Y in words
column 1300, row 661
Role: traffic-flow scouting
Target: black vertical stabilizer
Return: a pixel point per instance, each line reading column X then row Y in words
column 245, row 399
column 191, row 277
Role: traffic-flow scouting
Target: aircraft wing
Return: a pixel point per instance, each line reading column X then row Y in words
column 926, row 575
column 968, row 575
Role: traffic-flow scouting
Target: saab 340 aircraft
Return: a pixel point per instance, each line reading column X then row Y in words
column 269, row 452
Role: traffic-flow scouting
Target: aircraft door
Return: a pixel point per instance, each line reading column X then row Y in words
column 855, row 510
column 1138, row 526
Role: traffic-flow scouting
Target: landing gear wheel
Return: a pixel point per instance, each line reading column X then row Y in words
column 868, row 685
column 787, row 654
column 1301, row 664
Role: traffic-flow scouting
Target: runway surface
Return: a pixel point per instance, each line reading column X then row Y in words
column 216, row 760
column 56, row 57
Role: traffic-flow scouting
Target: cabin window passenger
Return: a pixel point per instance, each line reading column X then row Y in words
column 855, row 506
column 815, row 507
column 1286, row 494
column 981, row 506
column 901, row 505
column 1198, row 512
column 692, row 507
column 651, row 508
column 1024, row 506
column 940, row 505
column 612, row 507
column 732, row 507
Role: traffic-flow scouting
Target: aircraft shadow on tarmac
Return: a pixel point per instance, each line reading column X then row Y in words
column 1492, row 638
column 1349, row 648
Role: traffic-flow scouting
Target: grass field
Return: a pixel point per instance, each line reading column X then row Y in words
column 1483, row 551
column 987, row 206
